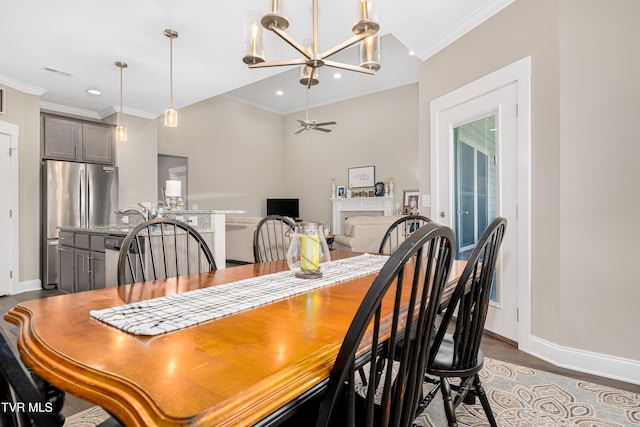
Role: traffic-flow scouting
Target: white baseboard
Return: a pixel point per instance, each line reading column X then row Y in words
column 26, row 286
column 603, row 365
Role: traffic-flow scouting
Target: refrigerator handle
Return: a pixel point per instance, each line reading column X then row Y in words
column 83, row 199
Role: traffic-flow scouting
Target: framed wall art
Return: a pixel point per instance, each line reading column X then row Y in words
column 362, row 177
column 411, row 199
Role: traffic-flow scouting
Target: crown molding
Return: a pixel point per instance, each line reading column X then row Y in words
column 463, row 28
column 69, row 110
column 128, row 111
column 22, row 87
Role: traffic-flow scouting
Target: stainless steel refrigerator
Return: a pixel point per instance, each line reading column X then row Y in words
column 75, row 195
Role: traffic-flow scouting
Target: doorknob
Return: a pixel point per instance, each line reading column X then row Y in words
column 442, row 214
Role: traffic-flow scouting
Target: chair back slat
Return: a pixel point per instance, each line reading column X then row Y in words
column 401, row 301
column 399, row 231
column 471, row 298
column 162, row 248
column 271, row 238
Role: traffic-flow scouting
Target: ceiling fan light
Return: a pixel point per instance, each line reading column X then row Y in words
column 366, row 17
column 121, row 133
column 253, row 38
column 370, row 53
column 170, row 118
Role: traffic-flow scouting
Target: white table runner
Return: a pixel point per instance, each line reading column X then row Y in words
column 173, row 312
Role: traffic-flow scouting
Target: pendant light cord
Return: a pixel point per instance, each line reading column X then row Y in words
column 171, row 71
column 120, row 115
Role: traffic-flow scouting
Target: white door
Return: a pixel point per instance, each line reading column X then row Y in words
column 8, row 207
column 477, row 158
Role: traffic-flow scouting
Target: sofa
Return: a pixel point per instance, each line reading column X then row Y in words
column 239, row 237
column 363, row 233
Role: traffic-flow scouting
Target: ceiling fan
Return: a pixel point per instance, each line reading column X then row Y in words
column 313, row 124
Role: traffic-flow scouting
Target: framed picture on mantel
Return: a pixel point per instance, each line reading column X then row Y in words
column 362, row 177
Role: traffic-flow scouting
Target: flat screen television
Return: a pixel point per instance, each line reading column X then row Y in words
column 283, row 207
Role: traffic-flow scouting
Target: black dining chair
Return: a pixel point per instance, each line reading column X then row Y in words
column 271, row 238
column 21, row 393
column 162, row 248
column 399, row 231
column 458, row 355
column 402, row 299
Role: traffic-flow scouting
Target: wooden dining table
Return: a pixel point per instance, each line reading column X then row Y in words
column 248, row 368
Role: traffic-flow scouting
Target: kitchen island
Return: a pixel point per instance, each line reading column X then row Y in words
column 88, row 256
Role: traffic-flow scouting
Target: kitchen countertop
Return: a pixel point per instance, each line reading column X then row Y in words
column 113, row 230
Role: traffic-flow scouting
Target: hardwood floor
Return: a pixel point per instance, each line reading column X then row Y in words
column 492, row 347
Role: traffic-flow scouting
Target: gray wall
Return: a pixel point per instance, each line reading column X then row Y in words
column 235, row 151
column 378, row 130
column 23, row 110
column 584, row 147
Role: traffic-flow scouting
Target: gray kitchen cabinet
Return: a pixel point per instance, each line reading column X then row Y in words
column 83, row 270
column 97, row 143
column 76, row 140
column 98, row 270
column 61, row 138
column 81, row 262
column 66, row 268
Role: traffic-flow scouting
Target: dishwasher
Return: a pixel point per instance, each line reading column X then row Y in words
column 112, row 245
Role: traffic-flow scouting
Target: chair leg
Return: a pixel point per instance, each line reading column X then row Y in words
column 479, row 390
column 449, row 408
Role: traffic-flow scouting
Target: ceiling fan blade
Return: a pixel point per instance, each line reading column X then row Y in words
column 322, row 129
column 326, row 123
column 302, row 122
column 300, row 131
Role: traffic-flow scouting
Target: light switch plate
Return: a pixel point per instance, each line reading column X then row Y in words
column 193, row 220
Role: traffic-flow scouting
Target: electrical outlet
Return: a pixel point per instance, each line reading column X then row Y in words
column 125, row 219
column 179, row 218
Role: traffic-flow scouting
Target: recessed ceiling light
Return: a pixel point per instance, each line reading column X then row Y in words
column 337, row 76
column 411, row 53
column 279, row 93
column 94, row 91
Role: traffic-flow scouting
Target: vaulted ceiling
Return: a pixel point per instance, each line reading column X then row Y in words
column 60, row 49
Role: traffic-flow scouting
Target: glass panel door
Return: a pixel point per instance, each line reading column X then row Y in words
column 474, row 145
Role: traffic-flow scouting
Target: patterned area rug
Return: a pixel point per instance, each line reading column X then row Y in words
column 89, row 418
column 519, row 396
column 526, row 397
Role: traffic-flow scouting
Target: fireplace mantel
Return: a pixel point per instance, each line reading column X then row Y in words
column 344, row 207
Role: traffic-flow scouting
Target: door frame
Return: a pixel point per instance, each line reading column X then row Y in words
column 519, row 73
column 12, row 131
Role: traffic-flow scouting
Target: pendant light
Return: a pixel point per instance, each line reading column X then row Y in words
column 121, row 131
column 171, row 115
